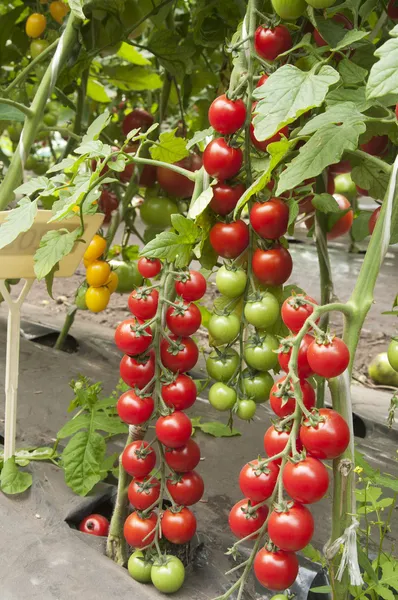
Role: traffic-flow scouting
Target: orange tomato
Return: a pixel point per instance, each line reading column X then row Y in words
column 95, row 249
column 35, row 25
column 58, row 11
column 98, row 273
column 97, row 298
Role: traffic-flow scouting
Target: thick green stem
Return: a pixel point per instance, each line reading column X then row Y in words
column 69, row 320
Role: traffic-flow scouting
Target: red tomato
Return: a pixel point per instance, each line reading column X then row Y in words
column 305, row 205
column 174, row 430
column 245, row 519
column 295, row 311
column 272, row 267
column 149, row 267
column 137, row 119
column 338, row 18
column 344, row 166
column 184, row 320
column 328, row 438
column 344, row 224
column 269, row 219
column 306, row 481
column 258, row 482
column 180, row 393
column 129, row 169
column 137, row 372
column 138, row 459
column 304, row 369
column 227, row 116
column 134, row 410
column 95, row 525
column 226, row 197
column 263, row 144
column 229, row 240
column 144, row 492
column 221, row 160
column 129, row 340
column 108, row 202
column 178, row 527
column 143, row 303
column 186, row 356
column 148, row 176
column 373, row 220
column 377, row 146
column 269, row 43
column 175, row 184
column 276, row 570
column 192, row 287
column 262, row 80
column 187, row 489
column 139, row 532
column 362, row 191
column 392, row 9
column 183, row 459
column 286, row 405
column 275, row 441
column 328, row 359
column 291, row 529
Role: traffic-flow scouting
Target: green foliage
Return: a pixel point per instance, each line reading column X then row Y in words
column 175, row 246
column 18, row 220
column 214, row 428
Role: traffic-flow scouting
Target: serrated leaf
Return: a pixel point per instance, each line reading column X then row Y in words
column 112, row 425
column 10, row 113
column 54, row 245
column 201, row 203
column 360, row 226
column 74, row 425
column 351, row 73
column 287, row 94
column 129, row 78
column 82, row 460
column 368, row 175
column 172, row 246
column 76, row 7
column 383, row 76
column 325, row 203
column 97, row 91
column 357, row 96
column 65, row 165
column 18, row 221
column 338, row 113
column 131, row 55
column 34, row 185
column 199, row 136
column 12, row 480
column 350, row 38
column 217, row 429
column 170, row 149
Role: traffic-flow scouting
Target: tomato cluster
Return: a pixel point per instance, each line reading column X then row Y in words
column 101, row 280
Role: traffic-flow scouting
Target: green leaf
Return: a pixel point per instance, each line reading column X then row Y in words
column 350, row 38
column 173, row 53
column 293, row 211
column 82, row 460
column 97, row 91
column 108, row 464
column 351, row 73
column 325, row 203
column 357, row 96
column 34, row 185
column 199, row 136
column 360, row 226
column 205, row 313
column 322, row 589
column 131, row 55
column 108, row 423
column 325, row 148
column 384, row 592
column 217, row 429
column 76, row 7
column 64, row 165
column 383, row 76
column 201, row 203
column 18, row 220
column 173, row 246
column 12, row 480
column 170, row 149
column 313, row 554
column 96, row 128
column 10, row 113
column 369, row 176
column 74, row 425
column 129, row 78
column 338, row 113
column 365, row 563
column 54, row 245
column 287, row 94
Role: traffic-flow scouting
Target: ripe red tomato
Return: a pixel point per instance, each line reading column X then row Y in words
column 344, row 166
column 275, row 441
column 143, row 492
column 227, row 116
column 329, row 359
column 286, row 405
column 305, row 206
column 392, row 9
column 180, row 393
column 139, row 532
column 276, row 570
column 263, row 144
column 175, row 184
column 108, row 202
column 269, row 43
column 174, row 430
column 229, row 240
column 377, row 146
column 181, row 357
column 262, row 80
column 245, row 519
column 137, row 119
column 186, row 489
column 222, row 160
column 304, row 369
column 178, row 527
column 306, row 481
column 95, row 525
column 362, row 191
column 184, row 320
column 373, row 220
column 130, row 341
column 272, row 267
column 138, row 459
column 328, row 438
column 149, row 267
column 269, row 219
column 258, row 482
column 226, row 197
column 137, row 372
column 291, row 529
column 134, row 410
column 295, row 311
column 192, row 287
column 183, row 459
column 143, row 303
column 338, row 18
column 344, row 224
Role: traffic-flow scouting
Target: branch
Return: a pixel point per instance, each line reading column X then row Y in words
column 29, row 113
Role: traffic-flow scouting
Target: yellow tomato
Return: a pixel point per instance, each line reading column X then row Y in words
column 95, row 249
column 112, row 282
column 58, row 11
column 97, row 298
column 98, row 273
column 35, row 25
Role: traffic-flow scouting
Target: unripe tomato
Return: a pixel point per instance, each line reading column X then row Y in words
column 168, row 574
column 229, row 240
column 343, row 184
column 226, row 197
column 97, row 298
column 80, row 297
column 257, row 386
column 58, row 11
column 128, row 275
column 344, row 224
column 176, row 184
column 222, row 366
column 221, row 160
column 270, row 219
column 269, row 43
column 50, row 119
column 224, row 328
column 139, row 568
column 260, row 353
column 158, row 211
column 321, row 3
column 392, row 354
column 98, row 273
column 222, row 397
column 137, row 119
column 35, row 25
column 231, row 282
column 246, row 409
column 288, row 9
column 95, row 249
column 37, row 47
column 227, row 116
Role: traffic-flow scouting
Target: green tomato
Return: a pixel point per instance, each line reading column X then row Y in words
column 40, row 168
column 289, row 9
column 262, row 313
column 321, row 3
column 158, row 211
column 343, row 184
column 37, row 47
column 139, row 568
column 246, row 409
column 224, row 328
column 14, row 131
column 392, row 354
column 222, row 397
column 280, row 597
column 259, row 353
column 80, row 297
column 50, row 119
column 128, row 274
column 222, row 368
column 381, row 371
column 257, row 386
column 168, row 574
column 231, row 282
column 31, row 163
